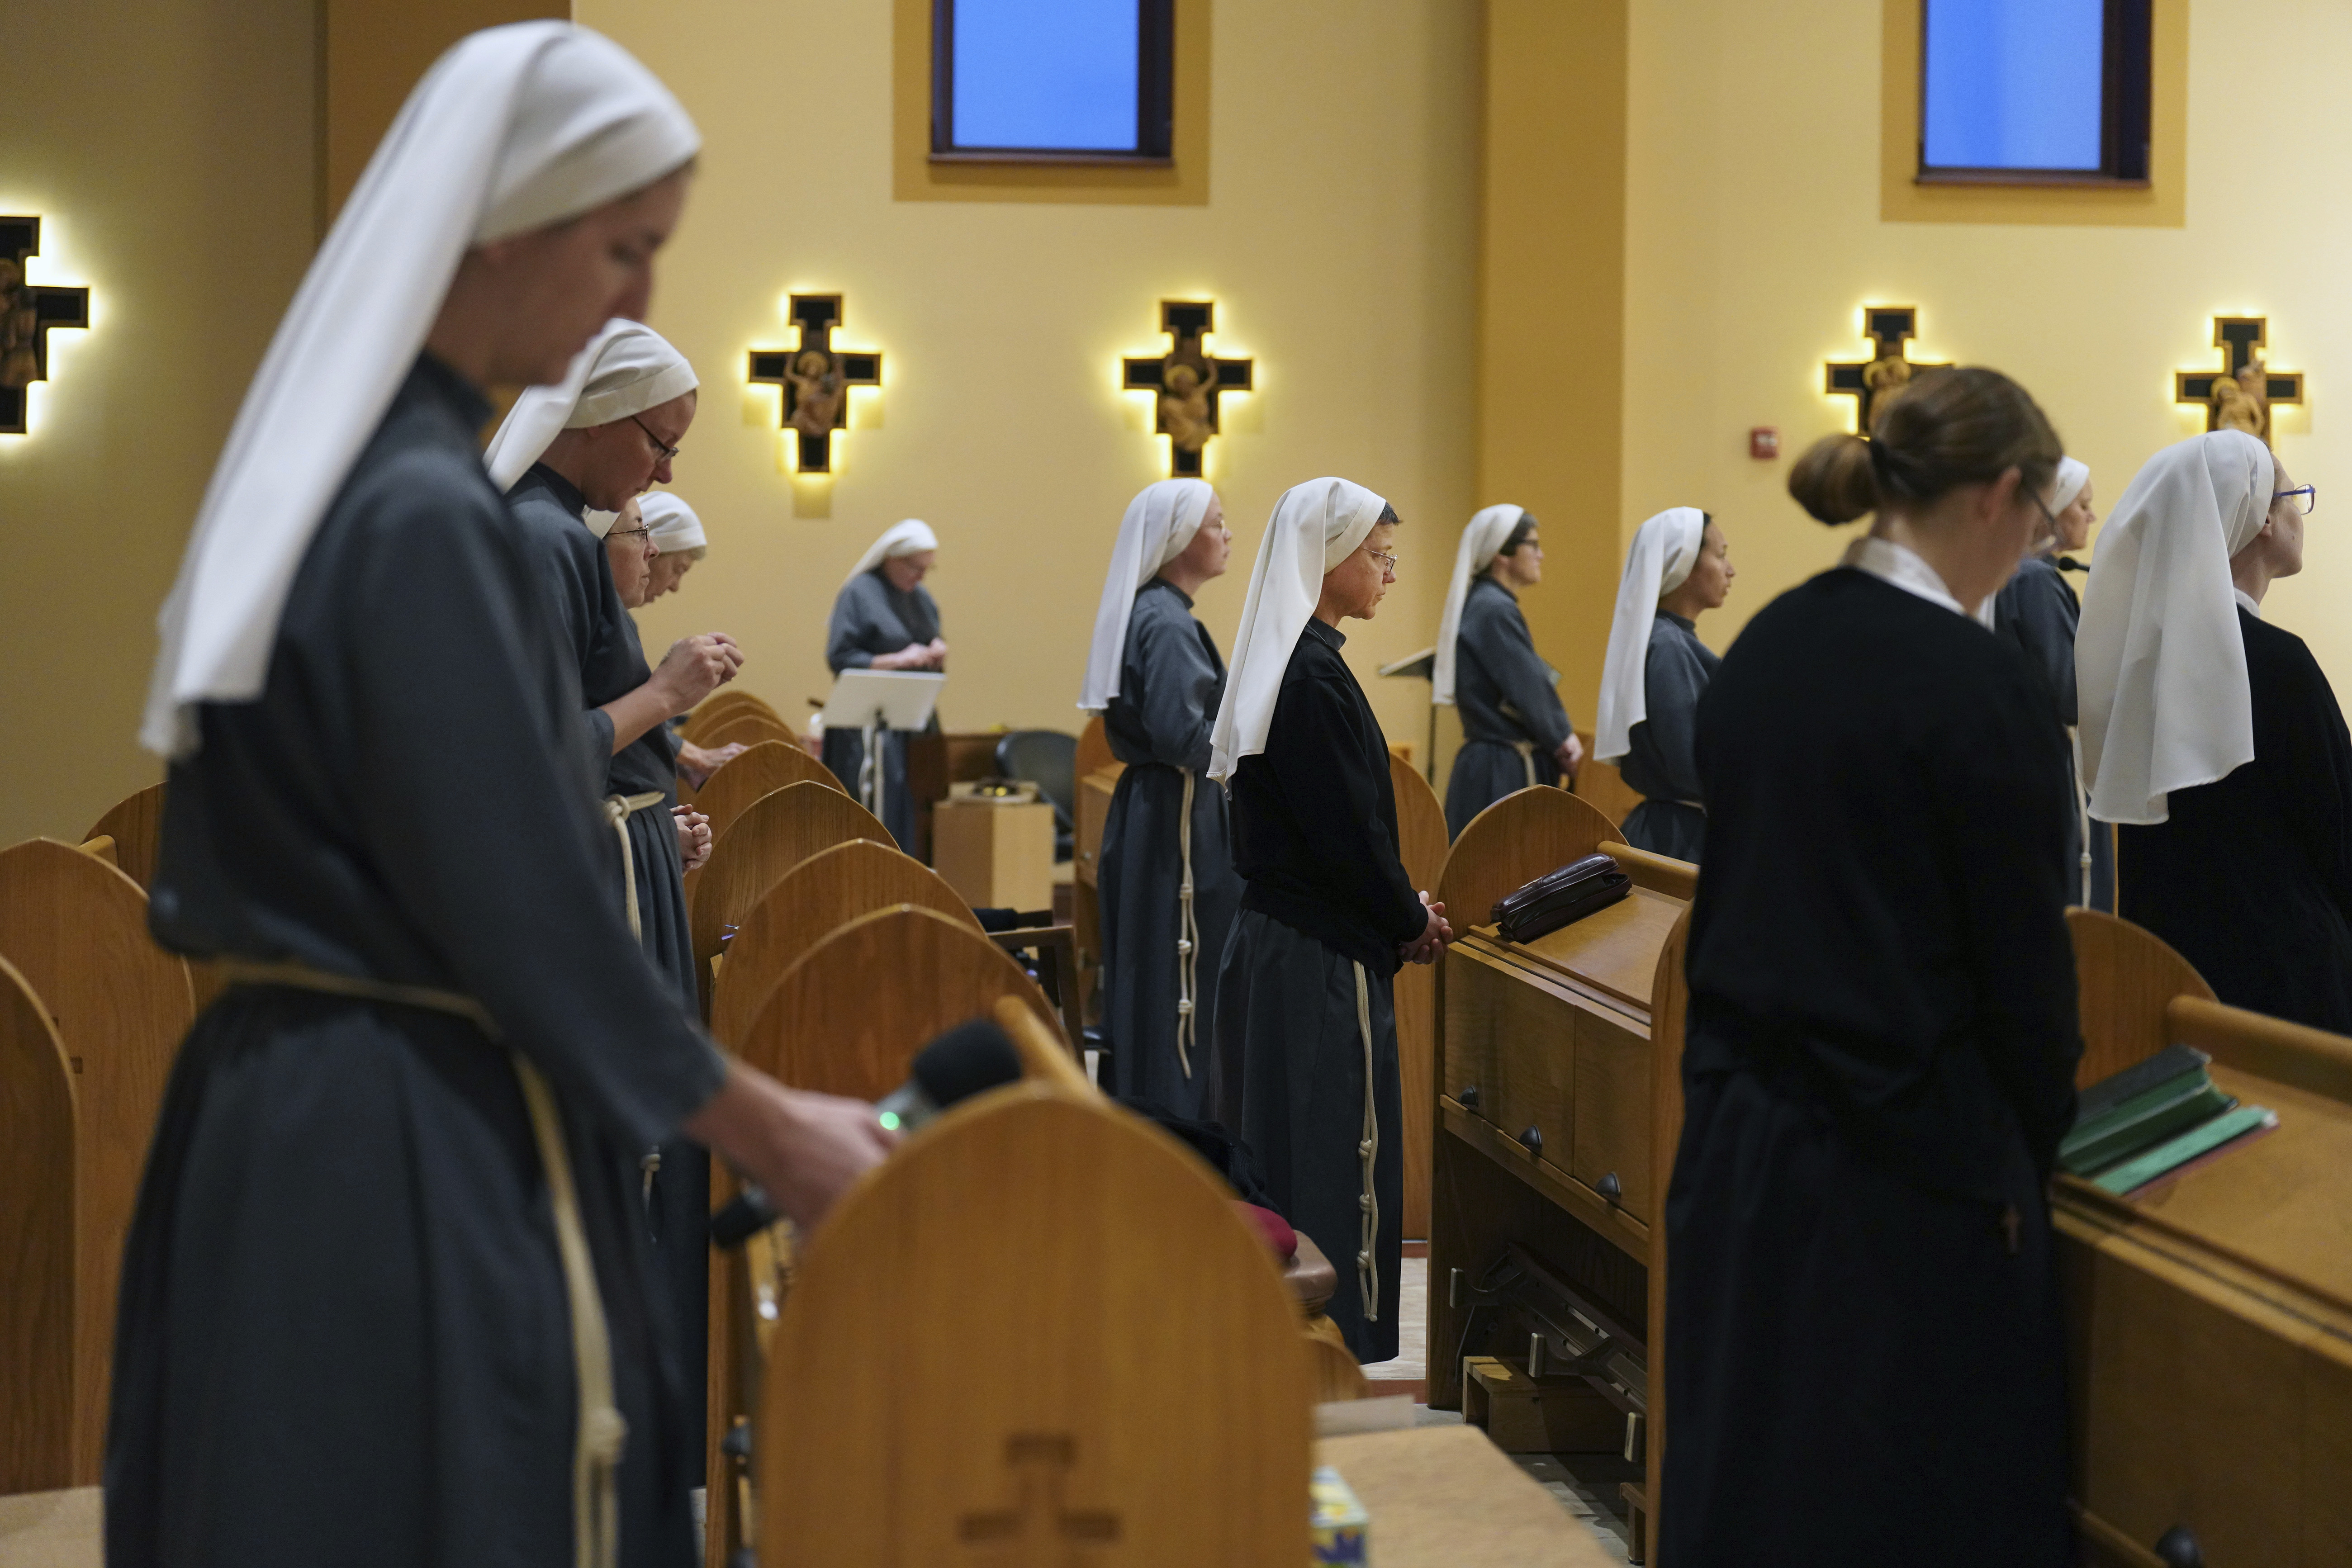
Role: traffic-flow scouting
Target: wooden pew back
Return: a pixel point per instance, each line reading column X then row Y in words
column 136, row 826
column 776, row 833
column 765, row 767
column 1421, row 832
column 39, row 1363
column 1540, row 828
column 808, row 903
column 747, row 728
column 2124, row 977
column 76, row 928
column 720, row 706
column 1124, row 1367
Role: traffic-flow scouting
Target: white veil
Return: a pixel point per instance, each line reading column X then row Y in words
column 911, row 537
column 513, row 128
column 1665, row 549
column 1159, row 524
column 626, row 369
column 1489, row 530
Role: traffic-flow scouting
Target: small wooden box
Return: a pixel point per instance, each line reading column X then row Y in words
column 995, row 856
column 1525, row 1414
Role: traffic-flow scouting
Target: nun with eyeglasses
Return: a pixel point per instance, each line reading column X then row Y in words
column 1657, row 669
column 2213, row 737
column 1306, row 1008
column 386, row 1295
column 1515, row 733
column 884, row 618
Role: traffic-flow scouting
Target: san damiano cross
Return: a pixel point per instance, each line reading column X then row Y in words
column 27, row 311
column 1889, row 328
column 1038, row 1532
column 1187, row 382
column 2239, row 397
column 815, row 378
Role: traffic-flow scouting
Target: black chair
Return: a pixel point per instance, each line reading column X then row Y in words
column 1048, row 759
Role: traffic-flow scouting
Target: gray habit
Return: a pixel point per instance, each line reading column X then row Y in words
column 2037, row 610
column 343, row 1333
column 1171, row 681
column 596, row 631
column 1662, row 764
column 870, row 617
column 1506, row 695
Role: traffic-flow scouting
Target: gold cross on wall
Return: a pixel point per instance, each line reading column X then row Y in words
column 1889, row 328
column 1038, row 1532
column 815, row 379
column 1187, row 382
column 27, row 311
column 2239, row 396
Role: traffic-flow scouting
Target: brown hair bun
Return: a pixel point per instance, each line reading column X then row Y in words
column 1945, row 429
column 1832, row 480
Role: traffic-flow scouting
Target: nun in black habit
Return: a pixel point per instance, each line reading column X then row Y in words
column 585, row 448
column 1678, row 569
column 2038, row 611
column 385, row 1298
column 1515, row 732
column 2213, row 736
column 1306, row 1019
column 884, row 618
column 1165, row 875
column 1880, row 1055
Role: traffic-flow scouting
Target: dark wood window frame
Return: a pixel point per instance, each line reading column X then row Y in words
column 1155, row 98
column 2126, row 88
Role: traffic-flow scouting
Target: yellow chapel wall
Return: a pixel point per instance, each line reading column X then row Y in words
column 1337, row 239
column 1754, row 237
column 167, row 147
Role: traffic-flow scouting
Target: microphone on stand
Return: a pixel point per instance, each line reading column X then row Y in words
column 970, row 1058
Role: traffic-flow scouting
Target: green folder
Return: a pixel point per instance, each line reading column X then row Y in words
column 2141, row 1122
column 2143, row 1169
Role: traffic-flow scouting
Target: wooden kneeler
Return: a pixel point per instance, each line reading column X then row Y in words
column 40, row 1360
column 808, row 903
column 1039, row 1327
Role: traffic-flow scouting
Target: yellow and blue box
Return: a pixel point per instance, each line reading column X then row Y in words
column 1342, row 1531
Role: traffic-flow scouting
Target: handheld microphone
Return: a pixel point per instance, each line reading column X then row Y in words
column 973, row 1056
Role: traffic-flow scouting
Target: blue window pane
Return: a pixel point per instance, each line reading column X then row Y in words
column 1056, row 74
column 2014, row 84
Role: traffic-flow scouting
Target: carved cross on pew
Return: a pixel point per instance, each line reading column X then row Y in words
column 1889, row 328
column 1186, row 381
column 27, row 311
column 1039, row 1532
column 815, row 379
column 2239, row 397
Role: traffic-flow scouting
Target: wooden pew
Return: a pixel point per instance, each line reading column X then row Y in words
column 808, row 903
column 763, row 766
column 720, row 706
column 40, row 1355
column 136, row 824
column 76, row 930
column 1097, row 775
column 1421, row 828
column 779, row 831
column 1558, row 1106
column 1123, row 1366
column 2209, row 1317
column 1601, row 787
column 746, row 727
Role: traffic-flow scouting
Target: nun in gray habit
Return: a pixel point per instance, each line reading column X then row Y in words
column 1515, row 732
column 1305, row 1015
column 1168, row 886
column 1656, row 670
column 884, row 618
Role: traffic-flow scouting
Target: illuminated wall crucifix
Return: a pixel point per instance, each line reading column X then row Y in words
column 1889, row 328
column 2239, row 396
column 27, row 311
column 1186, row 382
column 815, row 378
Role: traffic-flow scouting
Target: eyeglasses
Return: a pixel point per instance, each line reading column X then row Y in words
column 2305, row 497
column 666, row 451
column 1387, row 563
column 628, row 533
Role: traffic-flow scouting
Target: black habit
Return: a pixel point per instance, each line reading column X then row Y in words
column 1325, row 905
column 596, row 631
column 1662, row 763
column 1512, row 719
column 2038, row 611
column 2251, row 877
column 1171, row 681
column 1879, row 1064
column 870, row 617
column 343, row 1329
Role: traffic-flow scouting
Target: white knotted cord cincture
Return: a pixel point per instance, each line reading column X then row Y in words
column 1368, row 1268
column 1527, row 750
column 2082, row 810
column 618, row 809
column 1188, row 937
column 602, row 1433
